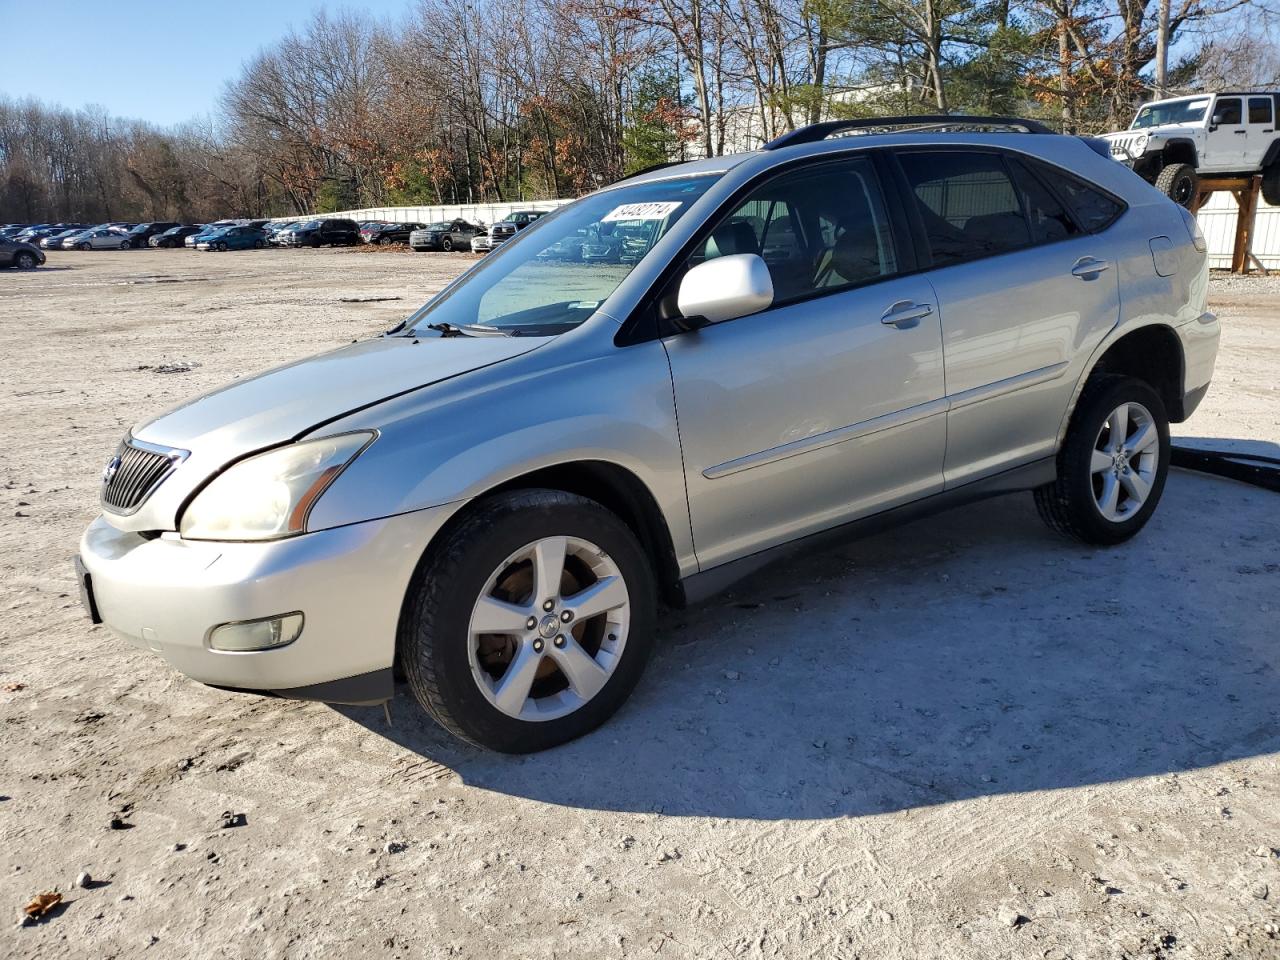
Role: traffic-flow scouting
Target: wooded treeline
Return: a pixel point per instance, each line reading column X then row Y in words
column 499, row 100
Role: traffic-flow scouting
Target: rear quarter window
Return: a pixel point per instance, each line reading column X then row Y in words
column 1094, row 208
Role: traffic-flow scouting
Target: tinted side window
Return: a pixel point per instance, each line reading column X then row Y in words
column 818, row 229
column 1227, row 110
column 1094, row 209
column 968, row 203
column 1260, row 110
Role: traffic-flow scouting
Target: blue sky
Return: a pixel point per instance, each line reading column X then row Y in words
column 134, row 57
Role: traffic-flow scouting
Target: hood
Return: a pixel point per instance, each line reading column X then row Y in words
column 290, row 401
column 286, row 402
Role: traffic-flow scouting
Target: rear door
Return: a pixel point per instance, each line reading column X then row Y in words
column 1261, row 125
column 828, row 405
column 1023, row 289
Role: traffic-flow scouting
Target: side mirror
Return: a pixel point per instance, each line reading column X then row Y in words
column 724, row 289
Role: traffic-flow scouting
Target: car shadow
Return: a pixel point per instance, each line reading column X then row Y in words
column 969, row 654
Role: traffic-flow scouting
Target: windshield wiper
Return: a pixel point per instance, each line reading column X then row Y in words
column 467, row 330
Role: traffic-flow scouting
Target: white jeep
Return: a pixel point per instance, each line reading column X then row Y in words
column 1171, row 143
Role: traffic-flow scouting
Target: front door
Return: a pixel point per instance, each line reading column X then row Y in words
column 828, row 405
column 1227, row 139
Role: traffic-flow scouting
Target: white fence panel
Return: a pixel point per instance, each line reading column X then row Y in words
column 1217, row 220
column 1218, row 223
column 486, row 213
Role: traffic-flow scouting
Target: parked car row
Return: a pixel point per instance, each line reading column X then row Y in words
column 221, row 235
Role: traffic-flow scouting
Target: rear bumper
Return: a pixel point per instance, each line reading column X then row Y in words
column 1199, row 340
column 167, row 594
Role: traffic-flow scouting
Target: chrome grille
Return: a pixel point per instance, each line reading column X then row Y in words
column 134, row 472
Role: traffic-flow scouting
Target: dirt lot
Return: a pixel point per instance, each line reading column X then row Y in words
column 963, row 739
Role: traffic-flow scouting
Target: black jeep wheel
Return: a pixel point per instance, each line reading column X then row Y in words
column 447, row 244
column 1271, row 184
column 1178, row 182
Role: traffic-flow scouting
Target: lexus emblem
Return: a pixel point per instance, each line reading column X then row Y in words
column 110, row 471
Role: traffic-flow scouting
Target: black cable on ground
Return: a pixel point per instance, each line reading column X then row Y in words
column 1246, row 467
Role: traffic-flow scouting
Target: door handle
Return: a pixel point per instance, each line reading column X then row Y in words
column 1239, row 133
column 906, row 313
column 1086, row 268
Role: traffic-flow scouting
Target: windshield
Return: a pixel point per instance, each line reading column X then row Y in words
column 1174, row 111
column 546, row 282
column 438, row 226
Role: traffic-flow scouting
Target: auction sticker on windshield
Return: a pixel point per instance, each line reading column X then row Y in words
column 656, row 210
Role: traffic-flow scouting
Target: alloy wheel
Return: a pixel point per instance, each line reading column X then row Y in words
column 549, row 628
column 1126, row 456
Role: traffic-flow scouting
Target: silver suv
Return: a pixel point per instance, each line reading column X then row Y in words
column 849, row 328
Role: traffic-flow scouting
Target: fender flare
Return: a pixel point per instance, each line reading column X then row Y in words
column 1182, row 142
column 1114, row 336
column 1272, row 155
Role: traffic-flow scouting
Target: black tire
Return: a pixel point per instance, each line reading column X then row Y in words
column 447, row 244
column 25, row 260
column 1179, row 182
column 1067, row 505
column 259, row 244
column 315, row 243
column 1271, row 184
column 433, row 636
column 221, row 246
column 83, row 246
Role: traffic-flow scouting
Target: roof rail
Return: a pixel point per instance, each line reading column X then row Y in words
column 935, row 121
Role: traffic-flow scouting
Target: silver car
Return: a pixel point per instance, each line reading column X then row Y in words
column 101, row 238
column 849, row 328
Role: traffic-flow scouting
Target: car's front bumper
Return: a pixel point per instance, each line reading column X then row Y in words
column 167, row 594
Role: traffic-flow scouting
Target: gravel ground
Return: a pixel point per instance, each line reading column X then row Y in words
column 965, row 739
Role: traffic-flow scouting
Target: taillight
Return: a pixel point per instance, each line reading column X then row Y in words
column 1193, row 230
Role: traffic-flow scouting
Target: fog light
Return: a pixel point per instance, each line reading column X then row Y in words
column 264, row 634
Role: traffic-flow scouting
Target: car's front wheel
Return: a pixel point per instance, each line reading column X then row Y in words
column 447, row 244
column 530, row 623
column 1112, row 465
column 25, row 260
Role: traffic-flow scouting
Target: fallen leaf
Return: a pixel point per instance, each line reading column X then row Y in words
column 14, row 687
column 42, row 903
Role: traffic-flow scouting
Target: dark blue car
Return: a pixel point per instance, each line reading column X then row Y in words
column 233, row 238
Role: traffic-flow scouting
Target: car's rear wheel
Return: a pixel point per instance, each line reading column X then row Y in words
column 25, row 260
column 1271, row 184
column 447, row 244
column 530, row 623
column 126, row 244
column 1178, row 182
column 1112, row 465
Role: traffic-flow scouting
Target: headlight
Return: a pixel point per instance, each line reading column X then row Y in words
column 270, row 495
